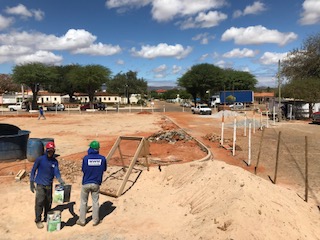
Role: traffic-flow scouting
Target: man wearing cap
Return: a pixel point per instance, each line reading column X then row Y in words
column 44, row 169
column 93, row 167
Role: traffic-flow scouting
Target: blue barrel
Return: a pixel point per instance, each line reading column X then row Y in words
column 34, row 149
column 13, row 142
column 45, row 141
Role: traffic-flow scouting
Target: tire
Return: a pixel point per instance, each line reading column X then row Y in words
column 11, row 109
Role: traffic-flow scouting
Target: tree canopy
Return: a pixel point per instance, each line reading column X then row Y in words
column 203, row 78
column 88, row 78
column 7, row 84
column 301, row 68
column 34, row 75
column 127, row 83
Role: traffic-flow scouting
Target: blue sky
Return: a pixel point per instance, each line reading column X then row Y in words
column 160, row 39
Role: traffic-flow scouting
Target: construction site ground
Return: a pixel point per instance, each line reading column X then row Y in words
column 184, row 195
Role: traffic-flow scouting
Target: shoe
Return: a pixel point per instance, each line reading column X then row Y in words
column 96, row 223
column 80, row 223
column 39, row 225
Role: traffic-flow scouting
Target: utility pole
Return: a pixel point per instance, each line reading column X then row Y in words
column 279, row 97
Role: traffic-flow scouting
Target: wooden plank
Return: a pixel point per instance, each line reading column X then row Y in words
column 20, row 174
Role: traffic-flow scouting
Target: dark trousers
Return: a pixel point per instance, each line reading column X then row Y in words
column 43, row 201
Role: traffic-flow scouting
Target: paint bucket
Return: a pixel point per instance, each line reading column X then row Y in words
column 53, row 221
column 67, row 193
column 45, row 141
column 58, row 195
column 34, row 149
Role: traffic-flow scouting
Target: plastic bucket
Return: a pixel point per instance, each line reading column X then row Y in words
column 67, row 193
column 58, row 194
column 53, row 221
column 45, row 141
column 34, row 149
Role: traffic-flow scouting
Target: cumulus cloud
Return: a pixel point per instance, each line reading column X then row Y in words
column 311, row 12
column 162, row 50
column 40, row 56
column 238, row 53
column 21, row 10
column 5, row 22
column 120, row 62
column 99, row 50
column 24, row 45
column 257, row 35
column 166, row 10
column 176, row 69
column 203, row 57
column 203, row 20
column 255, row 8
column 127, row 3
column 204, row 38
column 269, row 58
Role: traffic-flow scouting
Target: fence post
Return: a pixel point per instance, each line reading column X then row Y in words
column 277, row 159
column 259, row 152
column 306, row 177
column 234, row 136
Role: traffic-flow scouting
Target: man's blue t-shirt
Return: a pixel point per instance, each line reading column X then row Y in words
column 93, row 166
column 44, row 170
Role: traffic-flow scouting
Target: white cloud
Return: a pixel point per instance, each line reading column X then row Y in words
column 38, row 14
column 203, row 57
column 21, row 10
column 269, row 58
column 166, row 10
column 255, row 8
column 257, row 35
column 99, row 50
column 238, row 53
column 176, row 69
column 162, row 50
column 40, row 56
column 5, row 22
column 120, row 62
column 127, row 3
column 203, row 20
column 311, row 12
column 160, row 69
column 204, row 38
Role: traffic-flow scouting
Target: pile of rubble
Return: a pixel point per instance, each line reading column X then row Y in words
column 171, row 136
column 70, row 170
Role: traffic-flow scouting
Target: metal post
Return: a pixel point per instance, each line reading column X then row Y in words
column 279, row 89
column 249, row 146
column 234, row 136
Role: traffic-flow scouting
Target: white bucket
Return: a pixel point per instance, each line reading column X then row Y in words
column 58, row 195
column 53, row 221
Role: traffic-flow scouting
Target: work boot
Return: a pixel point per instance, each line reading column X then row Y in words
column 96, row 223
column 39, row 225
column 80, row 223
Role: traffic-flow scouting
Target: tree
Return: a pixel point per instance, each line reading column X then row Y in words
column 239, row 80
column 7, row 84
column 201, row 78
column 126, row 84
column 89, row 78
column 63, row 84
column 34, row 75
column 302, row 71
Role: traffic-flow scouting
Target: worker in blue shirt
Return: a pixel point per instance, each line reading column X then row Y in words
column 93, row 167
column 44, row 169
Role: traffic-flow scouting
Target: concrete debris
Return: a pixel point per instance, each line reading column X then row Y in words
column 171, row 136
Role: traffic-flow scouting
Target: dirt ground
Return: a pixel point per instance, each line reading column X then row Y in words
column 183, row 195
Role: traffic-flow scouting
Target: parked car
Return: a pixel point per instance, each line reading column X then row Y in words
column 237, row 105
column 201, row 109
column 56, row 107
column 316, row 117
column 17, row 106
column 99, row 106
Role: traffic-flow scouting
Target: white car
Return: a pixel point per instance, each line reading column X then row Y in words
column 237, row 105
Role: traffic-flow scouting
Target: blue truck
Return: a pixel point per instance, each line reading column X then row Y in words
column 231, row 96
